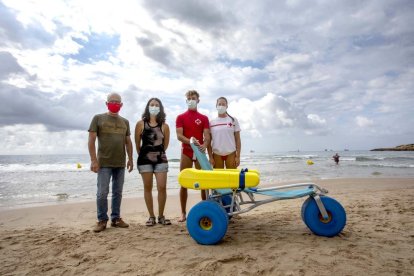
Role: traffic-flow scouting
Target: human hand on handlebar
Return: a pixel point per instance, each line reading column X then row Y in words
column 201, row 147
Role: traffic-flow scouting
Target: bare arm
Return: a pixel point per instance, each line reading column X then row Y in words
column 238, row 148
column 138, row 131
column 210, row 152
column 166, row 136
column 206, row 144
column 130, row 162
column 92, row 151
column 181, row 137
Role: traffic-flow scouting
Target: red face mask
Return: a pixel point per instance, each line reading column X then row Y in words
column 114, row 107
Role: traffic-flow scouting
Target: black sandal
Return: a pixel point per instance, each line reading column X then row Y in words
column 162, row 220
column 150, row 221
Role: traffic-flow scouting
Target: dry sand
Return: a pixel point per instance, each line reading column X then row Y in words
column 269, row 240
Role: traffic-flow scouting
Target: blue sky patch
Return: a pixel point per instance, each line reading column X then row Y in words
column 392, row 74
column 97, row 47
column 371, row 40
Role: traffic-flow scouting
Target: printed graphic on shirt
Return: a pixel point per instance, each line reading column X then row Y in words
column 118, row 127
column 230, row 124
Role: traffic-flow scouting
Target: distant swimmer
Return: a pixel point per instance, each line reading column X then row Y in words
column 336, row 158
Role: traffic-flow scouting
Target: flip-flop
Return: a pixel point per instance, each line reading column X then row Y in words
column 162, row 220
column 182, row 219
column 150, row 221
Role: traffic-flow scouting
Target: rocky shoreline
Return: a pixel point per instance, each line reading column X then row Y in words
column 408, row 147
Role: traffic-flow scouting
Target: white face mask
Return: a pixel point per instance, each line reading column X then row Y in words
column 192, row 104
column 154, row 110
column 221, row 109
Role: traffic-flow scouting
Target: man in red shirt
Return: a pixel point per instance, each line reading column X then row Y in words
column 191, row 124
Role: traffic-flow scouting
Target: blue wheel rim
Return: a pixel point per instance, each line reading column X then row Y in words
column 319, row 226
column 207, row 222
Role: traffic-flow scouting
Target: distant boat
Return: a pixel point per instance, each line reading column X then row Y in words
column 346, row 149
column 251, row 151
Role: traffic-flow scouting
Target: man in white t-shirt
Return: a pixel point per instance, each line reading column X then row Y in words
column 224, row 151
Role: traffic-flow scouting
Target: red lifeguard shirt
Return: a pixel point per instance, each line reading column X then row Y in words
column 193, row 124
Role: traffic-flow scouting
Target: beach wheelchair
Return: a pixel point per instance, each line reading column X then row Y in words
column 232, row 192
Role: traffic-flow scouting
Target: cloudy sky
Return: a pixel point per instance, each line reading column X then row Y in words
column 307, row 75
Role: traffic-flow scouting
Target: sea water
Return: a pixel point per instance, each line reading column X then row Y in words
column 34, row 180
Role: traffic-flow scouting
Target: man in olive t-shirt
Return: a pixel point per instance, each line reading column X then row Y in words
column 114, row 143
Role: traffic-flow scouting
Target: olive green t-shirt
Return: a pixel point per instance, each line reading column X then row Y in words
column 112, row 132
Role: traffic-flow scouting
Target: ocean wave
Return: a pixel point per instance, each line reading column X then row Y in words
column 370, row 158
column 269, row 157
column 174, row 160
column 400, row 158
column 400, row 166
column 303, row 156
column 43, row 167
column 347, row 159
column 384, row 158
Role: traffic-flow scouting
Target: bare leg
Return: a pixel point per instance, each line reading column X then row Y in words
column 185, row 163
column 231, row 160
column 147, row 179
column 161, row 178
column 203, row 195
column 218, row 162
column 183, row 202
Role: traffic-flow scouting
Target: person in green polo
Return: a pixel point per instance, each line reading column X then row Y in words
column 114, row 143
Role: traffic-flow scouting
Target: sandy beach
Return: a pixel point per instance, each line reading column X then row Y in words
column 269, row 240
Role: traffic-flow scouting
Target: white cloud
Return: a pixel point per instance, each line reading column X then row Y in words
column 36, row 139
column 273, row 113
column 363, row 122
column 286, row 67
column 291, row 62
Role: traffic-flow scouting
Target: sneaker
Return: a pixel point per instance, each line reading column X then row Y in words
column 119, row 223
column 100, row 226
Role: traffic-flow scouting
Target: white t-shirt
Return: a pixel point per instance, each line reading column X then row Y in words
column 222, row 133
